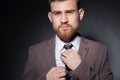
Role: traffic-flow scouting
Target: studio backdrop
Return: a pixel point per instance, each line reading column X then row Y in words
column 25, row 23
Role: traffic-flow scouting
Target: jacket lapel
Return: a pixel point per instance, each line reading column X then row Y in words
column 50, row 50
column 83, row 50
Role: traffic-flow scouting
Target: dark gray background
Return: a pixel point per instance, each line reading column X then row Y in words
column 25, row 23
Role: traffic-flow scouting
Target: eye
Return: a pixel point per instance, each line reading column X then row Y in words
column 56, row 13
column 70, row 11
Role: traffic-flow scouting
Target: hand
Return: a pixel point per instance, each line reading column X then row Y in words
column 56, row 73
column 71, row 58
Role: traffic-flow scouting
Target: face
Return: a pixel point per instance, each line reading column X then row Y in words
column 65, row 18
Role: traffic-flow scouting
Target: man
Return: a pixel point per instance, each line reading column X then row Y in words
column 68, row 56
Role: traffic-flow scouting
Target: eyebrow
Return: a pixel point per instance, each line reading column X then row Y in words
column 71, row 10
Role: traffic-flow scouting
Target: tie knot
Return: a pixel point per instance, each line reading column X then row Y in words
column 68, row 46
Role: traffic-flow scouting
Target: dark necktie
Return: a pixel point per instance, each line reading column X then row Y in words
column 68, row 46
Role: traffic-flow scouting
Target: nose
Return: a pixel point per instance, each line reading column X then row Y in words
column 64, row 19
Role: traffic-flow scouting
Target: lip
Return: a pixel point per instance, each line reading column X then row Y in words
column 64, row 27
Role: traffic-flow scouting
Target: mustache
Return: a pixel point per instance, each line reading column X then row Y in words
column 65, row 25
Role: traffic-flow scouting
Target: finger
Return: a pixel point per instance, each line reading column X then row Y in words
column 60, row 69
column 62, row 74
column 64, row 59
column 64, row 54
column 63, row 78
column 67, row 53
column 71, row 51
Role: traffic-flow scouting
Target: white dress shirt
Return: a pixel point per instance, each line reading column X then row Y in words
column 59, row 48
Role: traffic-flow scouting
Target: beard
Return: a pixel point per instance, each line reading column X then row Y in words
column 66, row 35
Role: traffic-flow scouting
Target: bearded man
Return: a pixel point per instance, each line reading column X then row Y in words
column 67, row 56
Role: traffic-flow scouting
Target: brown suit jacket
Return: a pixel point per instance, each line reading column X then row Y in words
column 94, row 65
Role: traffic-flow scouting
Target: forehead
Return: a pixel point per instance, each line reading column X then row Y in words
column 63, row 5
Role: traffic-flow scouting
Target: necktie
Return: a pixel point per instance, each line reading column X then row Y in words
column 68, row 46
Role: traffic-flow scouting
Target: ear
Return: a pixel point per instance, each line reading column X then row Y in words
column 81, row 13
column 50, row 16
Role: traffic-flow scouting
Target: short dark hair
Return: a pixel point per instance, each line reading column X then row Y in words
column 78, row 2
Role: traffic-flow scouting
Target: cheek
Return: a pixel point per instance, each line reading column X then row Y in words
column 55, row 26
column 74, row 18
column 55, row 22
column 74, row 22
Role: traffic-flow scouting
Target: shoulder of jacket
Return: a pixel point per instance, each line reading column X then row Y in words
column 42, row 44
column 94, row 43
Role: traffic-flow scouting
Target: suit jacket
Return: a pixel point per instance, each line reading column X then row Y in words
column 94, row 65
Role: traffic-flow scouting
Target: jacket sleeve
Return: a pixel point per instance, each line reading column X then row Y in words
column 105, row 71
column 30, row 75
column 31, row 71
column 82, row 72
column 85, row 72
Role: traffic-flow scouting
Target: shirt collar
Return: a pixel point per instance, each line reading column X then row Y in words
column 76, row 42
column 60, row 43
